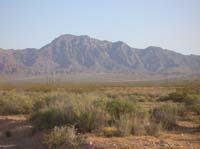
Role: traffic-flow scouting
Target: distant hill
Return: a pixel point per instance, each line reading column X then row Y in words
column 69, row 54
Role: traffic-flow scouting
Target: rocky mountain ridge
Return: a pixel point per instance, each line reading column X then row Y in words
column 83, row 54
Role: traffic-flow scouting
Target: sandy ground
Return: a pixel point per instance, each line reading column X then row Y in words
column 21, row 135
column 16, row 133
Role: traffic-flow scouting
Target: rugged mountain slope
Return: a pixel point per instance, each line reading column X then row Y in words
column 75, row 54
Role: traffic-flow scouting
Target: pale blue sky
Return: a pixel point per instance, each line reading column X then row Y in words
column 171, row 24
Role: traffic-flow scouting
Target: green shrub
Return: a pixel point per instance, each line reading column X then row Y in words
column 51, row 111
column 48, row 119
column 165, row 115
column 175, row 97
column 118, row 107
column 62, row 136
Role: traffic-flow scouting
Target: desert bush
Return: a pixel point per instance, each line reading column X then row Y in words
column 86, row 115
column 92, row 118
column 127, row 116
column 48, row 118
column 132, row 123
column 165, row 115
column 47, row 101
column 139, row 128
column 53, row 110
column 15, row 103
column 64, row 135
column 137, row 123
column 118, row 107
column 189, row 98
column 124, row 125
column 175, row 97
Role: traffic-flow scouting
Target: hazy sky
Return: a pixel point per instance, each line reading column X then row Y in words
column 171, row 24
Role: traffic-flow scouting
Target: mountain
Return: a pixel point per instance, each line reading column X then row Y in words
column 70, row 54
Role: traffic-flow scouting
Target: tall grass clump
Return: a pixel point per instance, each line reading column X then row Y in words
column 166, row 115
column 92, row 117
column 127, row 116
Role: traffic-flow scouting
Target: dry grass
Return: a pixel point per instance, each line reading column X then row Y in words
column 92, row 110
